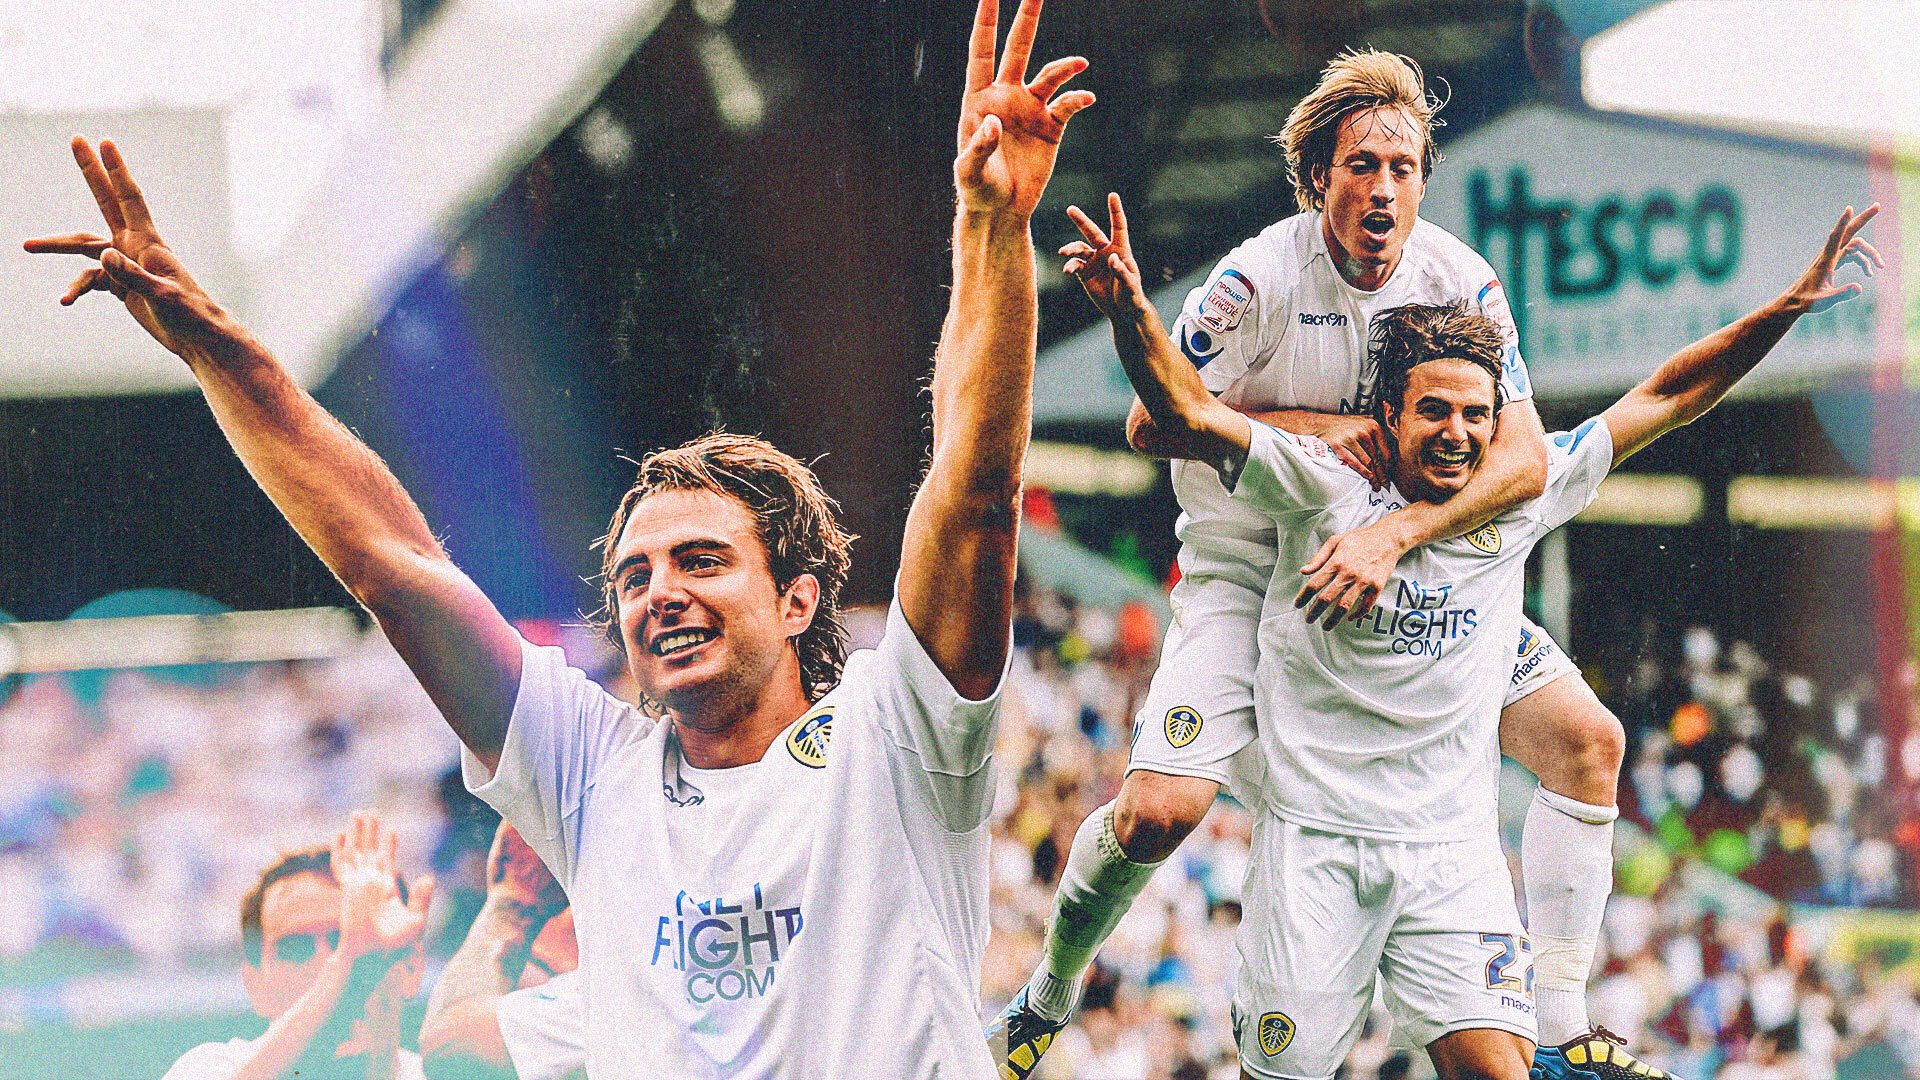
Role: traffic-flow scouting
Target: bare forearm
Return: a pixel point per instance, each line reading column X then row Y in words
column 347, row 505
column 1297, row 421
column 1178, row 416
column 335, row 491
column 1698, row 376
column 462, row 1022
column 310, row 1030
column 957, row 563
column 983, row 371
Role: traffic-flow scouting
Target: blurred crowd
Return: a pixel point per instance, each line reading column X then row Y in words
column 1763, row 774
column 136, row 807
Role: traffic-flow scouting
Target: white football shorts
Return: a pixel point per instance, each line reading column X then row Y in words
column 1327, row 915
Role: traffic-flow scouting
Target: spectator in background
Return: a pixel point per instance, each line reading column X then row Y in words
column 333, row 953
column 508, row 1003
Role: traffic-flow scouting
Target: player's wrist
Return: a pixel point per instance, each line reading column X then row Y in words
column 980, row 210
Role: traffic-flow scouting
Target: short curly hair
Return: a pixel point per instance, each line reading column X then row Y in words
column 1356, row 80
column 795, row 520
column 1402, row 338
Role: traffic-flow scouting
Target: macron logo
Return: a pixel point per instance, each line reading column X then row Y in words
column 1331, row 318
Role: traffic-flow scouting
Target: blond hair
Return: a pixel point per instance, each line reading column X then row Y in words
column 1355, row 81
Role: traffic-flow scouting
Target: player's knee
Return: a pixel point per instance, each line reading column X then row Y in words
column 1457, row 1058
column 1594, row 746
column 1573, row 743
column 1154, row 813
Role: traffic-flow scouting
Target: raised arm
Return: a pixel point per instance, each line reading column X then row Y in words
column 1694, row 379
column 460, row 1036
column 957, row 562
column 333, row 489
column 378, row 930
column 1182, row 418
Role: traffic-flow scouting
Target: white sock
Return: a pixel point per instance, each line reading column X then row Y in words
column 1566, row 860
column 1097, row 886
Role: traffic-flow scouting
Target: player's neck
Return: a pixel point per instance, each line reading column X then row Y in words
column 1362, row 275
column 720, row 734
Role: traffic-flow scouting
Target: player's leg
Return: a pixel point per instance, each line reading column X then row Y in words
column 1310, row 940
column 1457, row 968
column 1481, row 1054
column 1555, row 726
column 1197, row 716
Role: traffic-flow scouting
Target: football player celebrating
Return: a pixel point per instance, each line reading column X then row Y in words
column 1376, row 854
column 1279, row 331
column 783, row 871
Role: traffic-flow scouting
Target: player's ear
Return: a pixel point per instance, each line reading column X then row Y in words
column 798, row 603
column 1317, row 176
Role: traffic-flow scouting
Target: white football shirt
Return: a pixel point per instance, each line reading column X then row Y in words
column 1276, row 327
column 1391, row 721
column 833, row 927
column 544, row 1028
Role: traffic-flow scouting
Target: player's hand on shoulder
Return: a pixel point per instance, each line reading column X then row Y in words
column 1345, row 577
column 1358, row 442
column 516, row 875
column 1103, row 263
column 135, row 263
column 1010, row 129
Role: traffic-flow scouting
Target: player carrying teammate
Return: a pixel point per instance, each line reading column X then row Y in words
column 1376, row 853
column 1279, row 331
column 784, row 874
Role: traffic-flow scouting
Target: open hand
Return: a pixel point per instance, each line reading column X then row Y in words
column 373, row 917
column 1104, row 264
column 1815, row 291
column 1345, row 576
column 1009, row 128
column 135, row 264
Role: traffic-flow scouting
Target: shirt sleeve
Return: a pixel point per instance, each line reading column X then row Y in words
column 1221, row 326
column 1577, row 461
column 212, row 1061
column 1491, row 300
column 1291, row 474
column 950, row 737
column 562, row 729
column 544, row 1029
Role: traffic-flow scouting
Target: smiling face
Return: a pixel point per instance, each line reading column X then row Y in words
column 706, row 628
column 1442, row 425
column 1372, row 193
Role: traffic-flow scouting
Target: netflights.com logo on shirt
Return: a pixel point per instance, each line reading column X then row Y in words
column 729, row 951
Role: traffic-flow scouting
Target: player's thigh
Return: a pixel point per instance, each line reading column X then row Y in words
column 1310, row 945
column 1554, row 724
column 1481, row 1054
column 1198, row 712
column 1457, row 958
